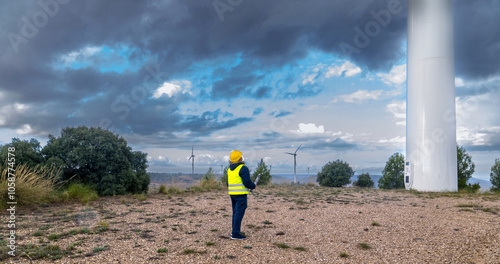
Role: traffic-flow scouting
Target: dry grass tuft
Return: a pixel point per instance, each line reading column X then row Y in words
column 32, row 185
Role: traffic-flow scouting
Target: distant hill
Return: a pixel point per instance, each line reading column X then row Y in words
column 485, row 184
column 287, row 178
column 187, row 179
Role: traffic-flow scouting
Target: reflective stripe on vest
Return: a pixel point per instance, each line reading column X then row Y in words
column 235, row 183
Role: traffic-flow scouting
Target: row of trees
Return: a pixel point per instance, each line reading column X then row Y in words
column 92, row 156
column 339, row 173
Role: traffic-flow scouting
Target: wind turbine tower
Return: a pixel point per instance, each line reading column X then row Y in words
column 294, row 164
column 192, row 158
column 431, row 149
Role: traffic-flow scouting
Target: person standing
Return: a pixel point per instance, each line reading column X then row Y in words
column 239, row 185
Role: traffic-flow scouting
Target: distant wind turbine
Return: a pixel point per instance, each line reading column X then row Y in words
column 192, row 158
column 294, row 164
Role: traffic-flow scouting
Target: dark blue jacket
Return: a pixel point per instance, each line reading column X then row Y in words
column 244, row 174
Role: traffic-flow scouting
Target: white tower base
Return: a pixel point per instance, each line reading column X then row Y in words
column 431, row 150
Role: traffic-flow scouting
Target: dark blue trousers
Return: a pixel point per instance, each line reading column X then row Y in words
column 239, row 203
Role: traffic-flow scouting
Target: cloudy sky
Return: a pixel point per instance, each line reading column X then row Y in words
column 260, row 76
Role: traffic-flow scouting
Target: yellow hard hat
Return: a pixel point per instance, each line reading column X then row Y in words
column 235, row 156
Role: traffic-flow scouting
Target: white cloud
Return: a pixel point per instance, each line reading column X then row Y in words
column 396, row 77
column 172, row 88
column 467, row 137
column 79, row 55
column 348, row 69
column 360, row 95
column 395, row 140
column 20, row 107
column 25, row 130
column 494, row 129
column 459, row 82
column 346, row 136
column 310, row 77
column 310, row 128
column 398, row 110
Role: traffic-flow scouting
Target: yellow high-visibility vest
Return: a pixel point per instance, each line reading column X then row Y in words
column 235, row 183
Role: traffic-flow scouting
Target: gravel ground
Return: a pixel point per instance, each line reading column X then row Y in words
column 283, row 224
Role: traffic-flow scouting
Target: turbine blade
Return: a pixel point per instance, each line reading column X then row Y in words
column 298, row 148
column 289, row 153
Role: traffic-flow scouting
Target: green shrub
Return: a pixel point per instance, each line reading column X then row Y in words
column 96, row 156
column 208, row 182
column 343, row 255
column 172, row 190
column 54, row 237
column 282, row 245
column 163, row 189
column 472, row 188
column 364, row 246
column 364, row 180
column 335, row 174
column 98, row 249
column 300, row 248
column 81, row 192
column 188, row 251
column 141, row 197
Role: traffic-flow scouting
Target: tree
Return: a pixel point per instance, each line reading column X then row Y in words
column 393, row 173
column 209, row 175
column 335, row 174
column 495, row 176
column 265, row 174
column 465, row 167
column 99, row 158
column 364, row 180
column 26, row 152
column 224, row 176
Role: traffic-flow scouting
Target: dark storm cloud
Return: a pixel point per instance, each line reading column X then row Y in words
column 209, row 122
column 334, row 145
column 303, row 91
column 233, row 86
column 281, row 113
column 257, row 111
column 263, row 92
column 476, row 89
column 174, row 35
column 477, row 38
